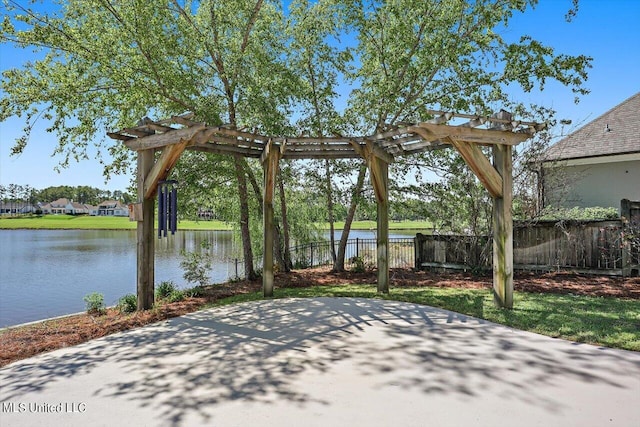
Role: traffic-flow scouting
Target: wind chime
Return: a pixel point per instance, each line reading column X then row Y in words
column 167, row 207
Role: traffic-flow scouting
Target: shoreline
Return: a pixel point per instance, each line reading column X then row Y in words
column 47, row 319
column 67, row 222
column 462, row 293
column 195, row 229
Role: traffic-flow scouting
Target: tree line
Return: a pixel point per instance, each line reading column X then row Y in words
column 14, row 193
column 316, row 68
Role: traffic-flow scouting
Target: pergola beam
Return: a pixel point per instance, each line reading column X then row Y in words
column 225, row 149
column 470, row 134
column 162, row 167
column 343, row 154
column 480, row 165
column 160, row 140
column 378, row 150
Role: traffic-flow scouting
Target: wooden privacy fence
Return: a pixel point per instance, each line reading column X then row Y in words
column 600, row 247
column 401, row 253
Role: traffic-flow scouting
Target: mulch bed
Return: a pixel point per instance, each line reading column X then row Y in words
column 24, row 342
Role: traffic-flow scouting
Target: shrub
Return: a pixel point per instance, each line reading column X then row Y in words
column 175, row 296
column 196, row 265
column 358, row 264
column 165, row 289
column 582, row 214
column 128, row 303
column 196, row 291
column 95, row 303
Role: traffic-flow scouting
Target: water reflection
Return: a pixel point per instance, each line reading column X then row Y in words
column 46, row 273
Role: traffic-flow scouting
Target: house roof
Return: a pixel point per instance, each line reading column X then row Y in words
column 60, row 203
column 110, row 204
column 615, row 132
column 76, row 205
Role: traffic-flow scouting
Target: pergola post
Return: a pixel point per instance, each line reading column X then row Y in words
column 145, row 245
column 503, row 230
column 379, row 172
column 270, row 161
column 378, row 150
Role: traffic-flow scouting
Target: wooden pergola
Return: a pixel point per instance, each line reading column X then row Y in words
column 174, row 135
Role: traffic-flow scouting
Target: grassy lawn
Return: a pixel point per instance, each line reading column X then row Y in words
column 96, row 223
column 609, row 322
column 49, row 222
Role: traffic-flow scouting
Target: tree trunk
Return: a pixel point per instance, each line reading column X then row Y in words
column 332, row 231
column 342, row 248
column 257, row 189
column 241, row 177
column 288, row 265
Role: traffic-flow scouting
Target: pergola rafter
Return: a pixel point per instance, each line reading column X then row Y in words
column 174, row 135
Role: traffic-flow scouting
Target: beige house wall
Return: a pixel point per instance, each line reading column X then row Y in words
column 589, row 185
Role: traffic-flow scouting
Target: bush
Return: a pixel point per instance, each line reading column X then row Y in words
column 95, row 303
column 175, row 296
column 358, row 264
column 196, row 265
column 196, row 291
column 582, row 214
column 165, row 289
column 128, row 303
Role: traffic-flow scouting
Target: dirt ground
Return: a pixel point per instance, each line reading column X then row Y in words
column 24, row 342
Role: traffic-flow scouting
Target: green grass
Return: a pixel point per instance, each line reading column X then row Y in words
column 609, row 322
column 49, row 222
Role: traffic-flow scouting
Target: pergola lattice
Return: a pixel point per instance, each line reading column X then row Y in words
column 174, row 135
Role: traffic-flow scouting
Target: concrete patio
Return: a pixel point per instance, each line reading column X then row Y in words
column 324, row 362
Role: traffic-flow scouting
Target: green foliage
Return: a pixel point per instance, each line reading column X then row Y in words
column 581, row 214
column 254, row 66
column 164, row 289
column 80, row 194
column 358, row 264
column 128, row 303
column 195, row 292
column 176, row 296
column 95, row 303
column 457, row 203
column 301, row 263
column 197, row 265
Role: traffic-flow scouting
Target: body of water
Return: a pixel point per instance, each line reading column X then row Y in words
column 46, row 273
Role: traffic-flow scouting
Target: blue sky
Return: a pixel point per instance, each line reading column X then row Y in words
column 606, row 30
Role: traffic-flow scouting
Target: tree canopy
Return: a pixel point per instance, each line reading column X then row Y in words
column 283, row 68
column 106, row 64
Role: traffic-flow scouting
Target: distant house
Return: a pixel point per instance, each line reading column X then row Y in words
column 597, row 165
column 57, row 207
column 112, row 208
column 16, row 208
column 205, row 214
column 65, row 206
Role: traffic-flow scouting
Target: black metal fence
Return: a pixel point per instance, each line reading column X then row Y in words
column 401, row 253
